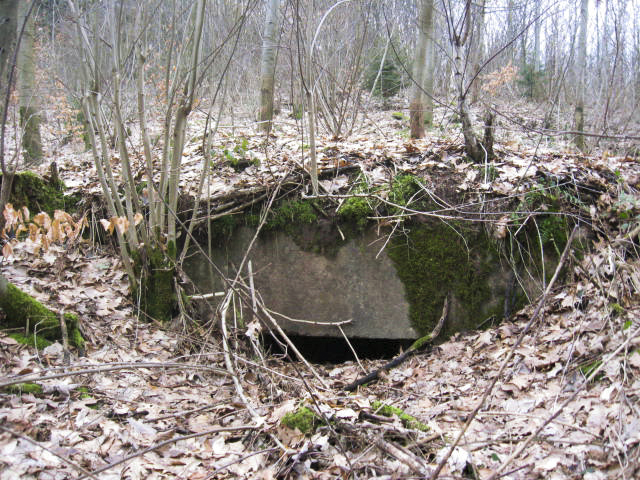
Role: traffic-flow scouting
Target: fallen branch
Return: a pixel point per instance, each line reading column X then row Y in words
column 420, row 344
column 415, row 463
column 25, row 438
column 170, row 441
column 38, row 377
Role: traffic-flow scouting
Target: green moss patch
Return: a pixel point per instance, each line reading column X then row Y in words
column 37, row 341
column 433, row 261
column 157, row 293
column 20, row 388
column 302, row 419
column 290, row 214
column 40, row 195
column 588, row 368
column 407, row 420
column 27, row 314
column 356, row 210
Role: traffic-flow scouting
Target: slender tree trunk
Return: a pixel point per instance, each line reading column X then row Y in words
column 26, row 62
column 458, row 34
column 417, row 107
column 582, row 71
column 511, row 29
column 8, row 38
column 472, row 146
column 268, row 65
column 180, row 127
column 478, row 51
column 536, row 38
column 430, row 70
column 8, row 29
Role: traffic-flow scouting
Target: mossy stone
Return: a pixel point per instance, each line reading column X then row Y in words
column 40, row 195
column 26, row 313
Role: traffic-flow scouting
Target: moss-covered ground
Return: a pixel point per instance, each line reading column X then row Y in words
column 408, row 421
column 302, row 419
column 20, row 388
column 37, row 341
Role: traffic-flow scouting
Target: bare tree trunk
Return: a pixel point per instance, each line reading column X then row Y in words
column 458, row 38
column 29, row 116
column 536, row 38
column 8, row 35
column 180, row 127
column 582, row 69
column 417, row 107
column 8, row 42
column 478, row 51
column 268, row 65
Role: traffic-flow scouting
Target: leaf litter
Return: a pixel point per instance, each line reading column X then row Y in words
column 143, row 404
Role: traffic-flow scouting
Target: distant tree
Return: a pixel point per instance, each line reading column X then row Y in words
column 27, row 95
column 8, row 25
column 8, row 44
column 582, row 73
column 478, row 52
column 383, row 77
column 459, row 31
column 268, row 65
column 420, row 74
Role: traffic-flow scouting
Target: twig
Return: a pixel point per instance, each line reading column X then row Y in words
column 506, row 361
column 165, row 443
column 355, row 354
column 236, row 381
column 559, row 410
column 419, row 344
column 414, row 462
column 65, row 339
column 206, row 296
column 409, row 459
column 227, row 357
column 254, row 342
column 308, row 322
column 25, row 438
column 37, row 377
column 291, row 345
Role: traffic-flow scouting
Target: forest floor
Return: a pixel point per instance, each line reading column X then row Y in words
column 151, row 402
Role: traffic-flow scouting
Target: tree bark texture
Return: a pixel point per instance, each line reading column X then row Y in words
column 26, row 66
column 268, row 65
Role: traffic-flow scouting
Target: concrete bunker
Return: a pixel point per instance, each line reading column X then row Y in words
column 380, row 291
